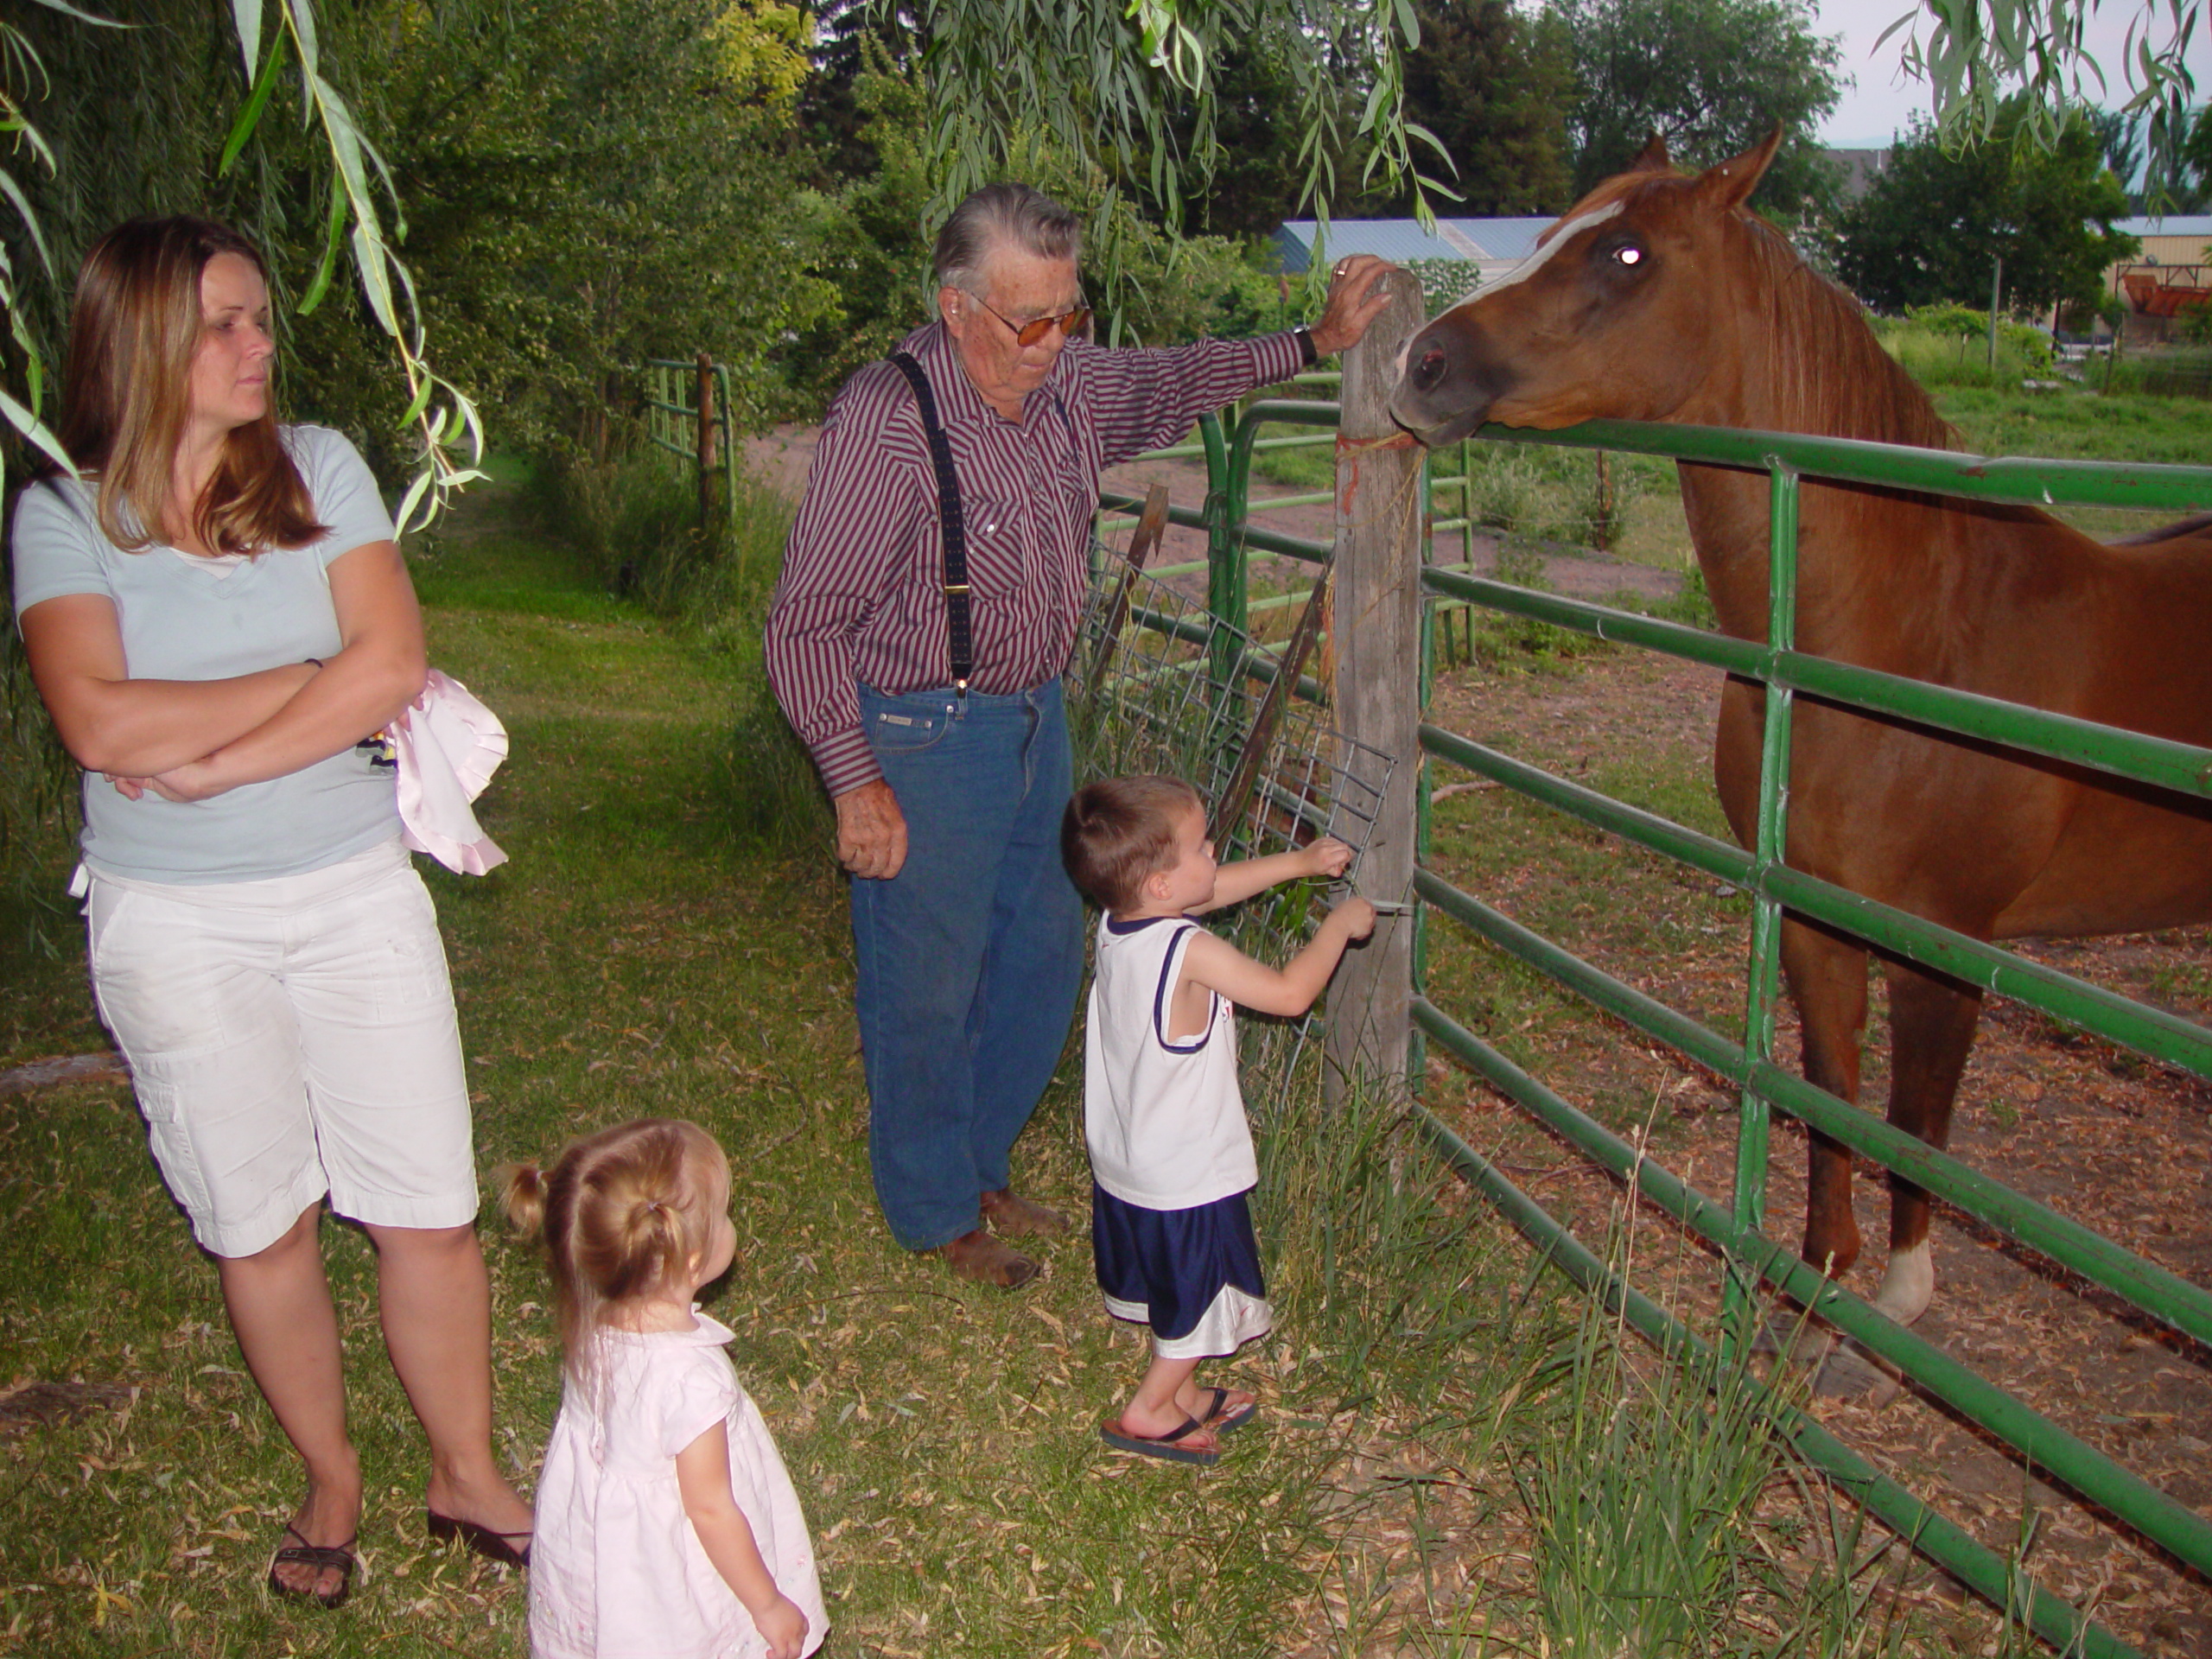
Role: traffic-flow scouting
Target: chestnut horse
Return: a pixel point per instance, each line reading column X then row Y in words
column 1660, row 297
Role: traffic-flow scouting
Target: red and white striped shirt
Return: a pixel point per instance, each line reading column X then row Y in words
column 861, row 599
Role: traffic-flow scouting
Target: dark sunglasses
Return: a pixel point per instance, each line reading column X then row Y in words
column 1028, row 333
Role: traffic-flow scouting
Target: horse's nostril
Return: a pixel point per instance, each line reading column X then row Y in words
column 1430, row 369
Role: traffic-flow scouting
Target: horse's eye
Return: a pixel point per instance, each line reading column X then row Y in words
column 1630, row 255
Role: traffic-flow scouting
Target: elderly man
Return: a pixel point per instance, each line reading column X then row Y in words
column 930, row 698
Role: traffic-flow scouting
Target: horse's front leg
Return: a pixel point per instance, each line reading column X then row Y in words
column 1932, row 1021
column 1828, row 982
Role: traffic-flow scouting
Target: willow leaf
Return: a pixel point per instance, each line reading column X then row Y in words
column 301, row 14
column 13, row 192
column 333, row 233
column 85, row 16
column 402, row 520
column 36, row 431
column 421, row 402
column 376, row 280
column 245, row 17
column 250, row 116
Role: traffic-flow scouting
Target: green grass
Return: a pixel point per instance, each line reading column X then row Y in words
column 642, row 953
column 670, row 938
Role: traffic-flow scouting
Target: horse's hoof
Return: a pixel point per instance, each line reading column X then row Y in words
column 1850, row 1372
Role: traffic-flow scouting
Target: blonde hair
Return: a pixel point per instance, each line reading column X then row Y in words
column 622, row 1212
column 126, row 397
column 1116, row 832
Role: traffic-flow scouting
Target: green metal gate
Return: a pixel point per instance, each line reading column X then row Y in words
column 1754, row 1259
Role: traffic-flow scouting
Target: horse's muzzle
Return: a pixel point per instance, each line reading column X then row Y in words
column 1445, row 389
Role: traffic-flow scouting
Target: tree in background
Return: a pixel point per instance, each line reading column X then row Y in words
column 1492, row 83
column 1258, row 176
column 2120, row 141
column 595, row 182
column 863, row 217
column 1933, row 225
column 852, row 38
column 1711, row 77
column 2197, row 161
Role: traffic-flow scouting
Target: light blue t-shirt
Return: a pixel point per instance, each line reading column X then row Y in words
column 186, row 618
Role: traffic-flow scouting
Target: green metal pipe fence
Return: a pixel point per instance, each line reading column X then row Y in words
column 1752, row 1258
column 674, row 392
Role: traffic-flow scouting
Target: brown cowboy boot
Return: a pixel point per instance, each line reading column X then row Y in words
column 976, row 1254
column 1013, row 1217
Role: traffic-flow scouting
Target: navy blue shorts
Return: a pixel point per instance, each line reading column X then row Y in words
column 1167, row 1267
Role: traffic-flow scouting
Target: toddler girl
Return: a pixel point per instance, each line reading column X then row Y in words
column 666, row 1525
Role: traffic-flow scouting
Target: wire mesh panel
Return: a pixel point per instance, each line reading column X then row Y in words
column 1158, row 686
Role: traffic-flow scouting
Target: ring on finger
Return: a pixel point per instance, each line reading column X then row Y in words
column 1342, row 266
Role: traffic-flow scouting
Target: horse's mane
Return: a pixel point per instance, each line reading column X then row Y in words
column 1830, row 376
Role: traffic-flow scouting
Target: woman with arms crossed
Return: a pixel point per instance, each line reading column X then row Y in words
column 216, row 615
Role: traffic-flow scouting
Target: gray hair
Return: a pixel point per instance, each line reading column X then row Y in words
column 1002, row 216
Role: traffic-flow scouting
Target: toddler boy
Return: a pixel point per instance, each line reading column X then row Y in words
column 1171, row 1154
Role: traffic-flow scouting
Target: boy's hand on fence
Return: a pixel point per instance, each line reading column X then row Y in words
column 1358, row 916
column 871, row 831
column 1328, row 856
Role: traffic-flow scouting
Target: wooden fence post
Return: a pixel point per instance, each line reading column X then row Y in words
column 1375, row 689
column 709, row 457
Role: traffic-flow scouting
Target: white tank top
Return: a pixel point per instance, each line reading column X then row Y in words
column 1164, row 1120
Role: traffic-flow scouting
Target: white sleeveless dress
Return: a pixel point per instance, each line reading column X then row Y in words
column 615, row 1570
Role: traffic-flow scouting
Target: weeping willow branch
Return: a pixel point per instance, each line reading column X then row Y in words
column 1129, row 97
column 441, row 414
column 1975, row 54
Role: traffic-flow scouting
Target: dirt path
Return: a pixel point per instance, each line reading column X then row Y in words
column 2121, row 1145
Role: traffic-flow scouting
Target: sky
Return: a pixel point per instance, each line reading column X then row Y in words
column 1883, row 100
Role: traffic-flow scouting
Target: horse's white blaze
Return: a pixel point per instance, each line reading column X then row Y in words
column 1909, row 1286
column 1535, row 262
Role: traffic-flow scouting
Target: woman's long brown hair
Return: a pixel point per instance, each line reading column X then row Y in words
column 126, row 397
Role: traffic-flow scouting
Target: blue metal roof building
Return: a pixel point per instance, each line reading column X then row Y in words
column 1493, row 245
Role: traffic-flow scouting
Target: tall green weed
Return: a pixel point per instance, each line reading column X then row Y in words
column 635, row 523
column 1949, row 344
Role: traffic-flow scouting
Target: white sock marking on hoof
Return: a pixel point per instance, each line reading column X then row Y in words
column 1909, row 1286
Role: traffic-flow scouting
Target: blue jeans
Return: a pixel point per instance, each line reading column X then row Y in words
column 970, row 958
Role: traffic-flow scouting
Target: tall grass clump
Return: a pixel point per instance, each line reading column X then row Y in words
column 2177, row 371
column 1643, row 1503
column 1377, row 1264
column 1949, row 344
column 635, row 521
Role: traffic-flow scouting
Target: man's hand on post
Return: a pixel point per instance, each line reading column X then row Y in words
column 1356, row 299
column 871, row 831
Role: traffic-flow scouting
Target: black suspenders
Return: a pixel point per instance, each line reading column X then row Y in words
column 961, row 646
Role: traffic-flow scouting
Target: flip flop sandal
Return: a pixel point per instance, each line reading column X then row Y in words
column 324, row 1558
column 1162, row 1446
column 1235, row 1420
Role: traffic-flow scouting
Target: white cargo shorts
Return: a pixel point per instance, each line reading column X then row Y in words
column 291, row 1038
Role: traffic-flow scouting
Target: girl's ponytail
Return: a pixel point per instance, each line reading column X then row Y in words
column 523, row 1192
column 622, row 1212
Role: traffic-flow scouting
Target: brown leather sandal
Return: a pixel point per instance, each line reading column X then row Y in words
column 323, row 1558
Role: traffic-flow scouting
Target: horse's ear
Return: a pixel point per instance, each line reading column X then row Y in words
column 1652, row 158
column 1730, row 185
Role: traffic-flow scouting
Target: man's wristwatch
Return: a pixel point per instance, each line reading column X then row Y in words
column 1306, row 344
